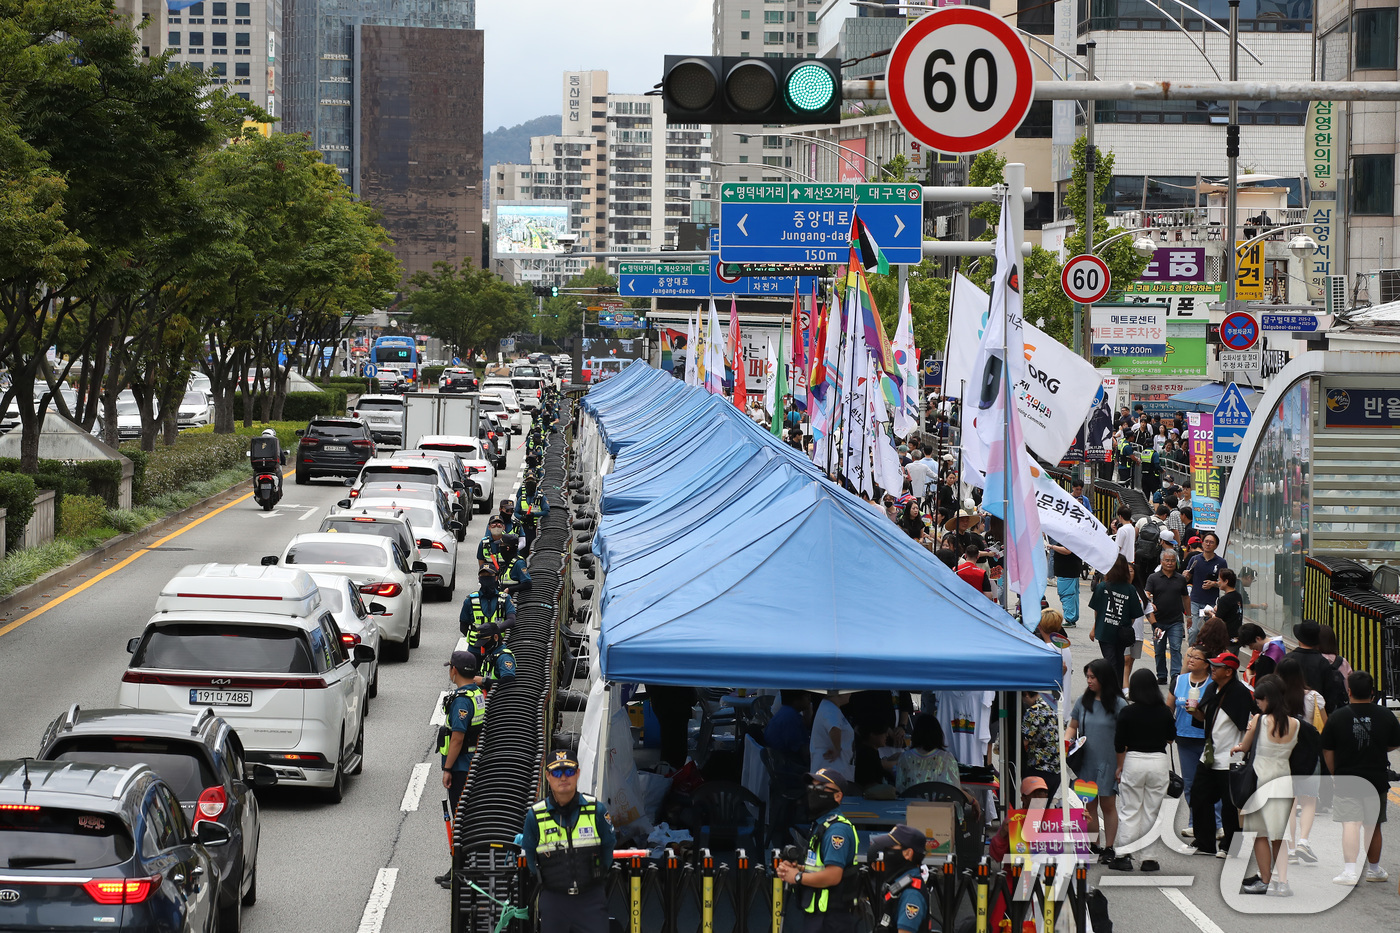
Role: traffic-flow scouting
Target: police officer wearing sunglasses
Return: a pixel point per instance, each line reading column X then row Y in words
column 569, row 842
column 828, row 878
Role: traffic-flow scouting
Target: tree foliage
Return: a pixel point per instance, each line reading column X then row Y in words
column 466, row 307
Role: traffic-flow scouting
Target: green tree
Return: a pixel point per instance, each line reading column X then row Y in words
column 1124, row 264
column 467, row 307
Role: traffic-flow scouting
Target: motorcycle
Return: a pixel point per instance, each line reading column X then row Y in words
column 268, row 458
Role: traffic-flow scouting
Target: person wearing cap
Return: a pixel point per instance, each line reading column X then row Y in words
column 496, row 658
column 514, row 575
column 1224, row 710
column 506, row 512
column 530, row 507
column 490, row 549
column 1320, row 674
column 828, row 879
column 568, row 843
column 904, row 905
column 464, row 716
column 487, row 604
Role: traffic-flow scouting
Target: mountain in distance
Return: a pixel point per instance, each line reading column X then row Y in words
column 512, row 143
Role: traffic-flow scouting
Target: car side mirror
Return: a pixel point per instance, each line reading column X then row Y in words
column 270, row 560
column 260, row 776
column 459, row 486
column 211, row 835
column 132, row 644
column 419, row 567
column 425, row 542
column 301, row 432
column 363, row 654
column 377, row 609
column 344, row 504
column 455, row 526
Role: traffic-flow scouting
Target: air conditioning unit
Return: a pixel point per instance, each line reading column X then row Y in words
column 1336, row 294
column 1390, row 285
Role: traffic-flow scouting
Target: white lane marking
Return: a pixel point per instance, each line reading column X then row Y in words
column 372, row 921
column 269, row 514
column 462, row 644
column 1192, row 912
column 414, row 792
column 310, row 511
column 439, row 718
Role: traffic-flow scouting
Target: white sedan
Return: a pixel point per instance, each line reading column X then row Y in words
column 474, row 461
column 382, row 572
column 341, row 597
column 433, row 533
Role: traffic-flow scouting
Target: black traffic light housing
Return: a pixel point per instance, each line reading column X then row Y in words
column 728, row 89
column 546, row 291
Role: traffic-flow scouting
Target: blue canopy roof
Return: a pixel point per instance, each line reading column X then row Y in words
column 730, row 559
column 1204, row 398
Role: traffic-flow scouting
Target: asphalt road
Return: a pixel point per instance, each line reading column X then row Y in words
column 365, row 864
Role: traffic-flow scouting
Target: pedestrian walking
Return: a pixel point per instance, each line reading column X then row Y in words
column 1309, row 706
column 568, row 843
column 1144, row 732
column 1171, row 603
column 1272, row 735
column 1095, row 717
column 1356, row 744
column 1203, row 572
column 1067, row 566
column 1190, row 734
column 1224, row 709
column 1116, row 605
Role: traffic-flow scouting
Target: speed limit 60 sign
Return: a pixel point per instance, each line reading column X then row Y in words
column 960, row 80
column 1085, row 279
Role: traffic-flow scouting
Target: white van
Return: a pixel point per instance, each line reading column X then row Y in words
column 258, row 645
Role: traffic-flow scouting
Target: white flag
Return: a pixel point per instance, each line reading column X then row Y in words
column 906, row 414
column 888, row 472
column 857, row 430
column 714, row 353
column 770, row 380
column 691, row 333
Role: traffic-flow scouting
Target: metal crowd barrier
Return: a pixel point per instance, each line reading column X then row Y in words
column 1321, row 575
column 1368, row 635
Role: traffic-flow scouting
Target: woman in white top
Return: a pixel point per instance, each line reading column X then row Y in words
column 1273, row 734
column 833, row 742
column 1309, row 704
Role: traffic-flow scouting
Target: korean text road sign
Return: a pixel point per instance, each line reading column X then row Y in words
column 1128, row 330
column 1085, row 279
column 1294, row 323
column 960, row 80
column 663, row 279
column 1231, row 421
column 1239, row 331
column 723, row 284
column 1249, row 271
column 798, row 222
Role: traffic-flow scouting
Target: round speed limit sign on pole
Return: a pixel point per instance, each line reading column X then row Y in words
column 1085, row 279
column 960, row 80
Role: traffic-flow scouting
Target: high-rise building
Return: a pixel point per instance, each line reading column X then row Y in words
column 626, row 174
column 235, row 42
column 321, row 54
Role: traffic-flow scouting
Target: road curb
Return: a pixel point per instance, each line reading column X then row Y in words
column 28, row 597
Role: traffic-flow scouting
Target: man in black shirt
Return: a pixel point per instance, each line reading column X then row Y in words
column 1319, row 673
column 1068, row 566
column 1171, row 602
column 1356, row 742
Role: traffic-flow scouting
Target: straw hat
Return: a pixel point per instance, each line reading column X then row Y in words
column 965, row 519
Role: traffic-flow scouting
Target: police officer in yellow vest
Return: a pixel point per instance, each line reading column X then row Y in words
column 487, row 604
column 828, row 878
column 530, row 507
column 569, row 842
column 464, row 711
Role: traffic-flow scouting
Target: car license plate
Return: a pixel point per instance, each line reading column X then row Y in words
column 221, row 697
column 334, row 448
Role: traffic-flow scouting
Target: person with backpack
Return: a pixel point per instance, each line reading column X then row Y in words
column 1320, row 674
column 1147, row 547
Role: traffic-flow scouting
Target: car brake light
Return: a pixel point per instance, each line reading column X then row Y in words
column 27, row 807
column 439, row 546
column 355, row 414
column 211, row 803
column 381, row 589
column 362, row 443
column 310, row 442
column 121, row 890
column 354, row 493
column 348, row 639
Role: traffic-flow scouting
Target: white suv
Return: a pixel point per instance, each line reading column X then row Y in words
column 258, row 645
column 383, row 414
column 504, row 390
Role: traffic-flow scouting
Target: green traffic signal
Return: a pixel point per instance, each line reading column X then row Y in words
column 810, row 87
column 554, row 291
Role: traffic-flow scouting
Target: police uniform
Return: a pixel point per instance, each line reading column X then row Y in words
column 488, row 552
column 834, row 841
column 515, row 577
column 528, row 511
column 903, row 904
column 476, row 613
column 464, row 713
column 569, row 847
column 497, row 660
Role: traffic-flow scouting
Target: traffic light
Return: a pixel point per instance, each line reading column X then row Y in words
column 542, row 291
column 554, row 291
column 726, row 89
column 606, row 289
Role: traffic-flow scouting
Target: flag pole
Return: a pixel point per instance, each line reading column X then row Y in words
column 1010, row 409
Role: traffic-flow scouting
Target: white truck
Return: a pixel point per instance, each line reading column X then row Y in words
column 434, row 413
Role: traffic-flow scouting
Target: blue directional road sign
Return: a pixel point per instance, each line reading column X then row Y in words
column 721, row 285
column 800, row 222
column 663, row 279
column 1293, row 323
column 1231, row 422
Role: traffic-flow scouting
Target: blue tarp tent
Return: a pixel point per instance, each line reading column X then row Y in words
column 1203, row 398
column 729, row 559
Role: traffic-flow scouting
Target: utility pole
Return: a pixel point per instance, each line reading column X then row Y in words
column 1232, row 155
column 1083, row 331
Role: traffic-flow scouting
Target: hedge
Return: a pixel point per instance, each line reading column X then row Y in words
column 352, row 384
column 191, row 459
column 286, row 431
column 80, row 477
column 17, row 499
column 303, row 406
column 82, row 514
column 431, row 374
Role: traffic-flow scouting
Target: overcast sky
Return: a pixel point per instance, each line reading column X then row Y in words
column 531, row 43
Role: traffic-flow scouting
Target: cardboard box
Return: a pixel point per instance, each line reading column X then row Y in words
column 938, row 822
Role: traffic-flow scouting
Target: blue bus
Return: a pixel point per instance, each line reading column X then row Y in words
column 399, row 353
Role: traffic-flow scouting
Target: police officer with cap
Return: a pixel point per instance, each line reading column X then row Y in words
column 530, row 507
column 506, row 512
column 568, row 843
column 497, row 660
column 514, row 573
column 828, row 877
column 487, row 604
column 905, row 904
column 489, row 551
column 464, row 711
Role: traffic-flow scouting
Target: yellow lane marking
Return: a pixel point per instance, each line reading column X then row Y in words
column 6, row 629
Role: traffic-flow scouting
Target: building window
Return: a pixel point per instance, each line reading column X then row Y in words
column 195, row 66
column 744, row 158
column 220, row 9
column 772, row 16
column 744, row 34
column 196, row 38
column 1038, row 121
column 240, row 69
column 811, row 38
column 811, row 19
column 1036, row 17
column 244, row 95
column 172, row 39
column 218, row 68
column 219, row 38
column 1376, row 35
column 773, row 55
column 743, row 14
column 197, row 10
column 241, row 39
column 772, row 38
column 1373, row 184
